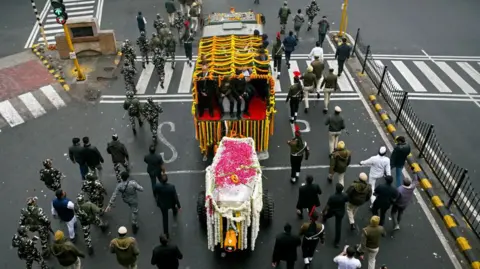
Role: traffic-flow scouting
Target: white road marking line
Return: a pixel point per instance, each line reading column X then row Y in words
column 32, row 104
column 144, row 79
column 434, row 79
column 166, row 83
column 56, row 25
column 394, row 82
column 99, row 12
column 49, row 38
column 186, row 79
column 10, row 114
column 470, row 71
column 441, row 99
column 53, row 96
column 409, row 77
column 83, row 13
column 462, row 84
column 54, row 32
column 342, row 80
column 439, row 94
column 189, row 100
column 419, row 198
column 78, row 4
column 80, row 8
column 278, row 88
column 280, row 94
column 293, row 68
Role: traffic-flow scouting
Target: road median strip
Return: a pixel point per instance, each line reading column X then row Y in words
column 426, row 185
column 39, row 51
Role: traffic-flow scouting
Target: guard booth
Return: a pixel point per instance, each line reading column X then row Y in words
column 228, row 46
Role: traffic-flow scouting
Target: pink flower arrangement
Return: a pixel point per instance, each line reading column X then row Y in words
column 235, row 164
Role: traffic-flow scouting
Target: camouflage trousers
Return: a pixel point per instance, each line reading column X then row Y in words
column 154, row 127
column 44, row 235
column 133, row 122
column 171, row 54
column 144, row 58
column 161, row 74
column 86, row 230
column 130, row 58
column 96, row 200
column 130, row 83
column 55, row 186
column 310, row 22
column 34, row 257
column 117, row 167
column 134, row 213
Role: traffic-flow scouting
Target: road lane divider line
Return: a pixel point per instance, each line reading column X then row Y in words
column 189, row 100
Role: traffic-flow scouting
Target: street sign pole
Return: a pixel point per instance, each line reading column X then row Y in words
column 40, row 25
column 343, row 21
column 80, row 75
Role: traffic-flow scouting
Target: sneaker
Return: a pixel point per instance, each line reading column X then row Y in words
column 134, row 132
column 135, row 229
column 305, row 110
column 90, row 251
column 396, row 228
column 293, row 180
column 278, row 76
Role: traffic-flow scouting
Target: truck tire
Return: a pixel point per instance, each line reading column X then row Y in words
column 266, row 216
column 201, row 210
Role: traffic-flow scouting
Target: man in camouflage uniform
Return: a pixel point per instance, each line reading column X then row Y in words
column 128, row 189
column 51, row 176
column 35, row 220
column 151, row 112
column 132, row 106
column 26, row 248
column 155, row 42
column 159, row 60
column 88, row 213
column 164, row 30
column 311, row 11
column 142, row 43
column 157, row 23
column 93, row 188
column 129, row 52
column 170, row 47
column 283, row 14
column 129, row 72
column 179, row 24
column 120, row 157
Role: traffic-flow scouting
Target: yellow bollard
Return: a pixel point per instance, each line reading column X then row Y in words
column 343, row 21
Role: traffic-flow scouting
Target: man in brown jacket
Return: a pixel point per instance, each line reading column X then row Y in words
column 339, row 161
column 371, row 240
column 329, row 85
column 318, row 68
column 358, row 194
column 125, row 248
column 309, row 85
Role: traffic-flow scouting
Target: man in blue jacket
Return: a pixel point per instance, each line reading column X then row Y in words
column 289, row 43
column 63, row 208
column 141, row 22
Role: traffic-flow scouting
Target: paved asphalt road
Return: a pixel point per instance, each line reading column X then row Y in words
column 49, row 136
column 406, row 27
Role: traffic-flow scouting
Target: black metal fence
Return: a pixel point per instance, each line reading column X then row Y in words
column 454, row 179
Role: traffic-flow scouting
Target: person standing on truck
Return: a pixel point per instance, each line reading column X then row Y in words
column 204, row 91
column 283, row 14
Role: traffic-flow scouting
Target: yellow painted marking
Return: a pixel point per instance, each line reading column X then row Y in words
column 476, row 265
column 372, row 97
column 416, row 168
column 425, row 183
column 378, row 107
column 116, row 62
column 450, row 223
column 360, row 74
column 66, row 87
column 119, row 53
column 437, row 202
column 410, row 155
column 85, row 70
column 463, row 243
column 384, row 116
column 391, row 128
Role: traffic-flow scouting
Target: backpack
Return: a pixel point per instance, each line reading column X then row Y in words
column 284, row 12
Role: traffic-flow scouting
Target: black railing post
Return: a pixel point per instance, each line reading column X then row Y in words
column 429, row 133
column 457, row 188
column 365, row 60
column 381, row 80
column 356, row 40
column 405, row 95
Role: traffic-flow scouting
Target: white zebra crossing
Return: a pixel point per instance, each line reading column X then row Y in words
column 462, row 84
column 436, row 81
column 474, row 74
column 166, row 83
column 408, row 75
column 343, row 83
column 32, row 104
column 142, row 83
column 186, row 82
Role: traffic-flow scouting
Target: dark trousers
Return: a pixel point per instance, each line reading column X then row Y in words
column 288, row 54
column 382, row 210
column 277, row 63
column 142, row 29
column 153, row 180
column 338, row 224
column 294, row 104
column 290, row 264
column 321, row 38
column 203, row 103
column 165, row 218
column 83, row 170
column 340, row 66
column 188, row 50
column 296, row 164
column 220, row 103
column 397, row 213
column 308, row 247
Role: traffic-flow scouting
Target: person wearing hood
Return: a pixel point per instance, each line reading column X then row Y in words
column 309, row 85
column 405, row 193
column 91, row 156
column 66, row 253
column 298, row 21
column 358, row 194
column 125, row 248
column 386, row 195
column 371, row 240
column 277, row 52
column 336, row 208
column 339, row 161
column 398, row 158
column 336, row 125
column 379, row 168
column 119, row 156
column 308, row 196
column 298, row 148
column 289, row 42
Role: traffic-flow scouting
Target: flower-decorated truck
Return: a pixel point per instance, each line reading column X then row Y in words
column 232, row 52
column 234, row 205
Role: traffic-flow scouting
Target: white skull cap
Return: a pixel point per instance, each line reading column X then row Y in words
column 122, row 230
column 382, row 150
column 338, row 109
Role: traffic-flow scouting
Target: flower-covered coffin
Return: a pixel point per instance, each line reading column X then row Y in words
column 235, row 172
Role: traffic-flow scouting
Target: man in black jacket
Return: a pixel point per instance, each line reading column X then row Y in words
column 336, row 208
column 342, row 54
column 285, row 248
column 119, row 156
column 91, row 156
column 167, row 198
column 308, row 196
column 166, row 256
column 386, row 195
column 75, row 155
column 155, row 167
column 398, row 158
